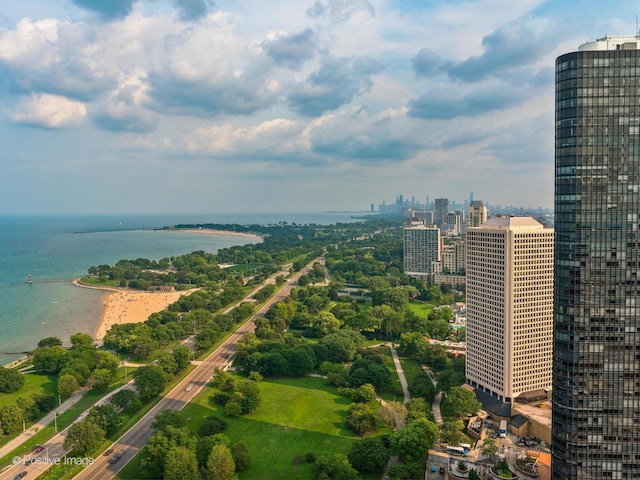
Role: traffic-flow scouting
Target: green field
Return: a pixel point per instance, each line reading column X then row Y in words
column 33, row 383
column 411, row 369
column 421, row 309
column 296, row 416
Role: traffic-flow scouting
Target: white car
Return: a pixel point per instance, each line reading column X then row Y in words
column 188, row 388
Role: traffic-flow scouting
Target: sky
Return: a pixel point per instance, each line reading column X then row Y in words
column 215, row 106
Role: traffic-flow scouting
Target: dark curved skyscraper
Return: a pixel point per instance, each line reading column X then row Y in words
column 596, row 367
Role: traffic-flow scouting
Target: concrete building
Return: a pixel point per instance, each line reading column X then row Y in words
column 596, row 369
column 421, row 248
column 509, row 266
column 477, row 213
column 441, row 208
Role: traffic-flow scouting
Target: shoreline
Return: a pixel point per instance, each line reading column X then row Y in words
column 207, row 231
column 120, row 305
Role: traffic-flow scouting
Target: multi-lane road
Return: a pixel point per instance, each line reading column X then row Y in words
column 137, row 436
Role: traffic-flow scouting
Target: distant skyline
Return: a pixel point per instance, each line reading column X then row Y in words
column 197, row 106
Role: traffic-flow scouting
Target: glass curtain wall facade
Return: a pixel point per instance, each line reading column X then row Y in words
column 596, row 364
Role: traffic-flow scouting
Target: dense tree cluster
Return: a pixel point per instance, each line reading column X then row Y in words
column 175, row 452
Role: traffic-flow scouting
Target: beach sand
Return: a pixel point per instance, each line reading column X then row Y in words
column 206, row 231
column 130, row 306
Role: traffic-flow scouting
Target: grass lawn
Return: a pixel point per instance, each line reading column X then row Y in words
column 421, row 309
column 411, row 369
column 33, row 383
column 296, row 416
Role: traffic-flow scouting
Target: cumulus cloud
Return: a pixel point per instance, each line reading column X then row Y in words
column 357, row 135
column 192, row 9
column 336, row 82
column 515, row 45
column 445, row 106
column 339, row 11
column 292, row 49
column 267, row 140
column 54, row 57
column 107, row 9
column 48, row 111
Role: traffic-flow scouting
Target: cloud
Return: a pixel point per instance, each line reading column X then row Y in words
column 48, row 111
column 444, row 106
column 108, row 9
column 336, row 82
column 192, row 9
column 293, row 49
column 55, row 57
column 339, row 11
column 515, row 45
column 272, row 139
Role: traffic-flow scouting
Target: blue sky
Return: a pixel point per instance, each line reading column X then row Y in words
column 203, row 106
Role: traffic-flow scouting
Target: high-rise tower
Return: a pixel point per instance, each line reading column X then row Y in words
column 596, row 367
column 509, row 270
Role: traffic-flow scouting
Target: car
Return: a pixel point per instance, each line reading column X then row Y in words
column 108, row 452
column 188, row 388
column 20, row 475
column 39, row 449
column 116, row 457
column 29, row 461
column 434, row 468
column 441, row 470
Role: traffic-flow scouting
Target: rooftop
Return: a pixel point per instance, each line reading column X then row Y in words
column 628, row 42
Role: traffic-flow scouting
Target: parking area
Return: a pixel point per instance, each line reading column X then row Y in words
column 440, row 463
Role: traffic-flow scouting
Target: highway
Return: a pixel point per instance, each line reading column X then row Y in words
column 137, row 436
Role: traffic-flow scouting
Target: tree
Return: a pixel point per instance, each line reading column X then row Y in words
column 364, row 393
column 240, row 453
column 11, row 416
column 11, row 380
column 451, row 432
column 412, row 442
column 150, row 381
column 369, row 454
column 182, row 356
column 168, row 417
column 422, row 386
column 220, row 464
column 251, row 397
column 50, row 342
column 212, row 425
column 123, row 398
column 102, row 378
column 460, row 402
column 393, row 414
column 326, row 323
column 489, row 448
column 336, row 467
column 180, row 464
column 49, row 359
column 412, row 344
column 361, row 418
column 82, row 340
column 67, row 384
column 205, row 444
column 84, row 437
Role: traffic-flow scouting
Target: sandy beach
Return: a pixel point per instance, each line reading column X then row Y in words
column 130, row 306
column 206, row 231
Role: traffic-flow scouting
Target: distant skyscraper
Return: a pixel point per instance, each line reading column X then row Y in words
column 421, row 247
column 477, row 213
column 509, row 266
column 596, row 374
column 441, row 208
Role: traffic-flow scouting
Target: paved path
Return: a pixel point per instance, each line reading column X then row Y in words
column 437, row 415
column 11, row 445
column 400, row 372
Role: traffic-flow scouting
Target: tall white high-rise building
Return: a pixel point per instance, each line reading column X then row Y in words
column 509, row 266
column 421, row 247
